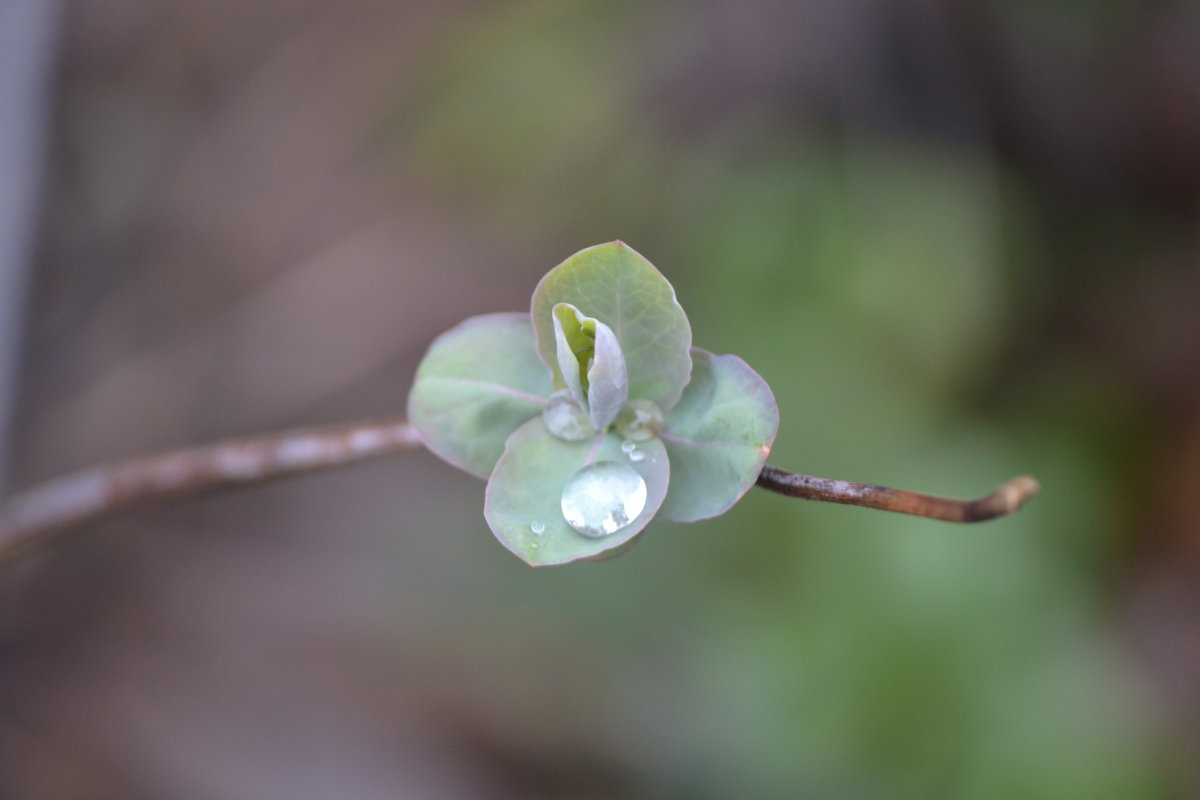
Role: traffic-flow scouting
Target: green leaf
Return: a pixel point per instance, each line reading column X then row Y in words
column 614, row 284
column 479, row 382
column 718, row 437
column 524, row 494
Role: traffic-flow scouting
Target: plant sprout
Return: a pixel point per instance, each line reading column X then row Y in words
column 593, row 414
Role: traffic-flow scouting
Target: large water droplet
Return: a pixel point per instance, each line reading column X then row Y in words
column 566, row 420
column 603, row 498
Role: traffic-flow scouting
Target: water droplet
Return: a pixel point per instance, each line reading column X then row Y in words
column 566, row 420
column 640, row 420
column 603, row 498
column 537, row 526
column 628, row 447
column 636, row 455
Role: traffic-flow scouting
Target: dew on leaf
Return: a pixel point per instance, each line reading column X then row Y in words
column 602, row 498
column 636, row 455
column 566, row 420
column 537, row 526
column 640, row 420
column 628, row 447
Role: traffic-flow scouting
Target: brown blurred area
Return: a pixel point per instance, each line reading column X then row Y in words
column 249, row 221
column 226, row 248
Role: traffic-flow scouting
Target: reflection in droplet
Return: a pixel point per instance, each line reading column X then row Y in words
column 603, row 498
column 636, row 455
column 628, row 447
column 640, row 420
column 566, row 420
column 537, row 526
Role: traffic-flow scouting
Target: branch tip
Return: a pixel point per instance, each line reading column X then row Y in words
column 1005, row 500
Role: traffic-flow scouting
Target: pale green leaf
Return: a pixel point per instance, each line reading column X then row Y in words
column 614, row 284
column 479, row 382
column 718, row 437
column 574, row 341
column 591, row 363
column 608, row 381
column 524, row 494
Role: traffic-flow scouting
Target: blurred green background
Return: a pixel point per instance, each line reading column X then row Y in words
column 960, row 240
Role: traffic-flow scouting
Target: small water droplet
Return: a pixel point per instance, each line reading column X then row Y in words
column 628, row 447
column 537, row 526
column 640, row 420
column 603, row 498
column 566, row 420
column 636, row 455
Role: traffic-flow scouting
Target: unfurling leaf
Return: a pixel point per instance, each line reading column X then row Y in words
column 591, row 364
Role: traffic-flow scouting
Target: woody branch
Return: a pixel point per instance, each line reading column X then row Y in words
column 39, row 515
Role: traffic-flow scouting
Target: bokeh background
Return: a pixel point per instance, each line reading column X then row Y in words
column 960, row 239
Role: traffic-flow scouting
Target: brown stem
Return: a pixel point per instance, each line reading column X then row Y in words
column 35, row 517
column 39, row 515
column 1005, row 500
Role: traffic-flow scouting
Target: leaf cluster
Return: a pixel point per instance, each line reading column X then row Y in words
column 593, row 414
